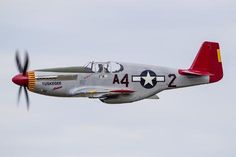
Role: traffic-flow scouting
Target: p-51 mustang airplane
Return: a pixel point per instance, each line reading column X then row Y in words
column 116, row 82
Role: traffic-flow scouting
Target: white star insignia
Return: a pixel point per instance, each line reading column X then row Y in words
column 148, row 79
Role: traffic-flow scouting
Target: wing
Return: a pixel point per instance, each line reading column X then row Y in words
column 100, row 92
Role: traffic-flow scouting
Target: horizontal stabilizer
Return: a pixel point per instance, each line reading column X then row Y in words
column 194, row 72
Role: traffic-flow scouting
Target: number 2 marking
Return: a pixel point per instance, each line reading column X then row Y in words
column 173, row 76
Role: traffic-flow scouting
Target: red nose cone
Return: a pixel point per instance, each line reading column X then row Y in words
column 20, row 80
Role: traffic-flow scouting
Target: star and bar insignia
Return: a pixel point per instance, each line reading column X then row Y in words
column 148, row 79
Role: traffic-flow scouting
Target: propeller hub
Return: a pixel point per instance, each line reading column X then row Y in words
column 21, row 80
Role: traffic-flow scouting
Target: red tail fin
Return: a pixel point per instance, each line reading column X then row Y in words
column 207, row 62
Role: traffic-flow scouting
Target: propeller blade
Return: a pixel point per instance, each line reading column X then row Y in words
column 19, row 93
column 27, row 98
column 18, row 63
column 26, row 64
column 23, row 69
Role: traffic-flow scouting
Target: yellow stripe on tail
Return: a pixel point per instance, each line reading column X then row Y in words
column 218, row 55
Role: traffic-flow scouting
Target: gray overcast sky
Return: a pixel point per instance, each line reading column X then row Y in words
column 193, row 122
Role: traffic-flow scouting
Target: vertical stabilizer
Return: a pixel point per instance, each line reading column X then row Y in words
column 207, row 62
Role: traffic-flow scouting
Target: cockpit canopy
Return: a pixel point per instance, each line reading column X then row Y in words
column 105, row 67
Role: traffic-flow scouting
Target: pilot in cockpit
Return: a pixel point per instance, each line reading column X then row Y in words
column 105, row 69
column 100, row 68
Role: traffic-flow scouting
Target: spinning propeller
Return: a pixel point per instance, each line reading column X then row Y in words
column 22, row 78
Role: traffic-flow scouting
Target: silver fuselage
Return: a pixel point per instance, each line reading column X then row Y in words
column 136, row 77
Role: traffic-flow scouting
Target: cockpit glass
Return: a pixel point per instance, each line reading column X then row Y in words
column 105, row 67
